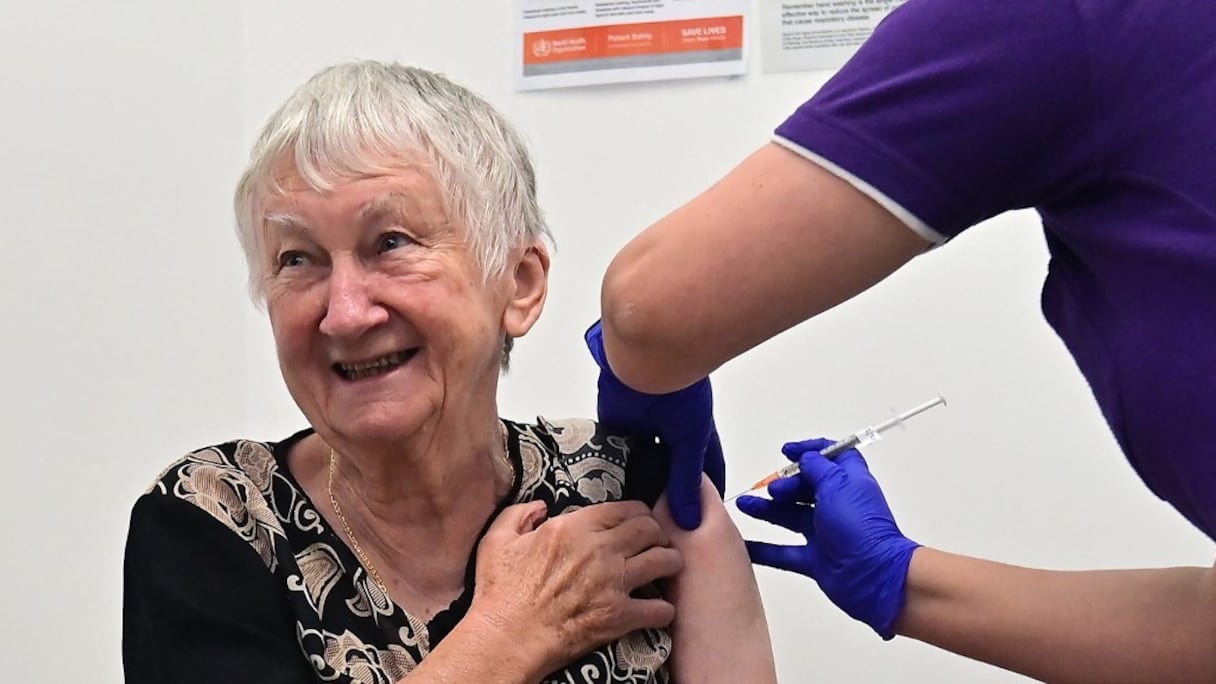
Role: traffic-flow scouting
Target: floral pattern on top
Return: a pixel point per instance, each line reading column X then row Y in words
column 347, row 627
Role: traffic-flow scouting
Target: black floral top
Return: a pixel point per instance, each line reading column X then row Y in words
column 232, row 575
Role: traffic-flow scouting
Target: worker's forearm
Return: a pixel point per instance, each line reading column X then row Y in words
column 1094, row 626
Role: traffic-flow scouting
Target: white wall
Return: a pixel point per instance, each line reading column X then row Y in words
column 121, row 292
column 124, row 129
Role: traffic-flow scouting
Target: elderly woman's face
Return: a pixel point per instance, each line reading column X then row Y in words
column 382, row 319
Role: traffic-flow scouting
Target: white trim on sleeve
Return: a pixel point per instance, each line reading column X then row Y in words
column 906, row 217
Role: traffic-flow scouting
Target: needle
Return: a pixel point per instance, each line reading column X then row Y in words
column 866, row 435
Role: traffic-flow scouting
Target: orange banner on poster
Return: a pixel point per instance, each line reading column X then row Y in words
column 627, row 40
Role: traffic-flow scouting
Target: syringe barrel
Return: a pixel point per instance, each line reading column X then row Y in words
column 837, row 448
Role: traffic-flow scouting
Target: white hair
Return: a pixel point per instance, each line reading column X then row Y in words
column 359, row 118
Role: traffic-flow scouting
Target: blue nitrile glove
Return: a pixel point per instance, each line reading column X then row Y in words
column 683, row 420
column 854, row 549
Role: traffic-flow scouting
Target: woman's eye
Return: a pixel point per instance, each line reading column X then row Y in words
column 391, row 241
column 292, row 259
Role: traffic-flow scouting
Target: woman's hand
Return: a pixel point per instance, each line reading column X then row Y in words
column 562, row 586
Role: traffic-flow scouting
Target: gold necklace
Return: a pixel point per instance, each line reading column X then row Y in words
column 350, row 534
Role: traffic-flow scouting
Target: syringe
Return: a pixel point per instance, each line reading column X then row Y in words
column 864, row 436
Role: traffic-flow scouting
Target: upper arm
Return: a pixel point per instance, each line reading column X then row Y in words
column 720, row 633
column 776, row 241
column 949, row 114
column 199, row 605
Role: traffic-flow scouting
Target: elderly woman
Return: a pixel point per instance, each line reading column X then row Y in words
column 390, row 223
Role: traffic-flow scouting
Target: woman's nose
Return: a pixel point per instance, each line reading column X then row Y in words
column 352, row 308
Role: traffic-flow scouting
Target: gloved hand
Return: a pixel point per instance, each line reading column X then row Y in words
column 683, row 420
column 853, row 548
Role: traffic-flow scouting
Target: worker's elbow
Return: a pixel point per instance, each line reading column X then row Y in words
column 621, row 307
column 635, row 340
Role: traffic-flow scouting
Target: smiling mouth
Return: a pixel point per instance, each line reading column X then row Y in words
column 380, row 366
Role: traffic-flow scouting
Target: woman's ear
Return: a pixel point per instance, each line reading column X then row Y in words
column 529, row 284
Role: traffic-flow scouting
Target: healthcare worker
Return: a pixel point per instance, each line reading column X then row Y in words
column 1099, row 114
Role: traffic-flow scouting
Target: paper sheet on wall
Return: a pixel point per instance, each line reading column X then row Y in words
column 813, row 35
column 563, row 43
